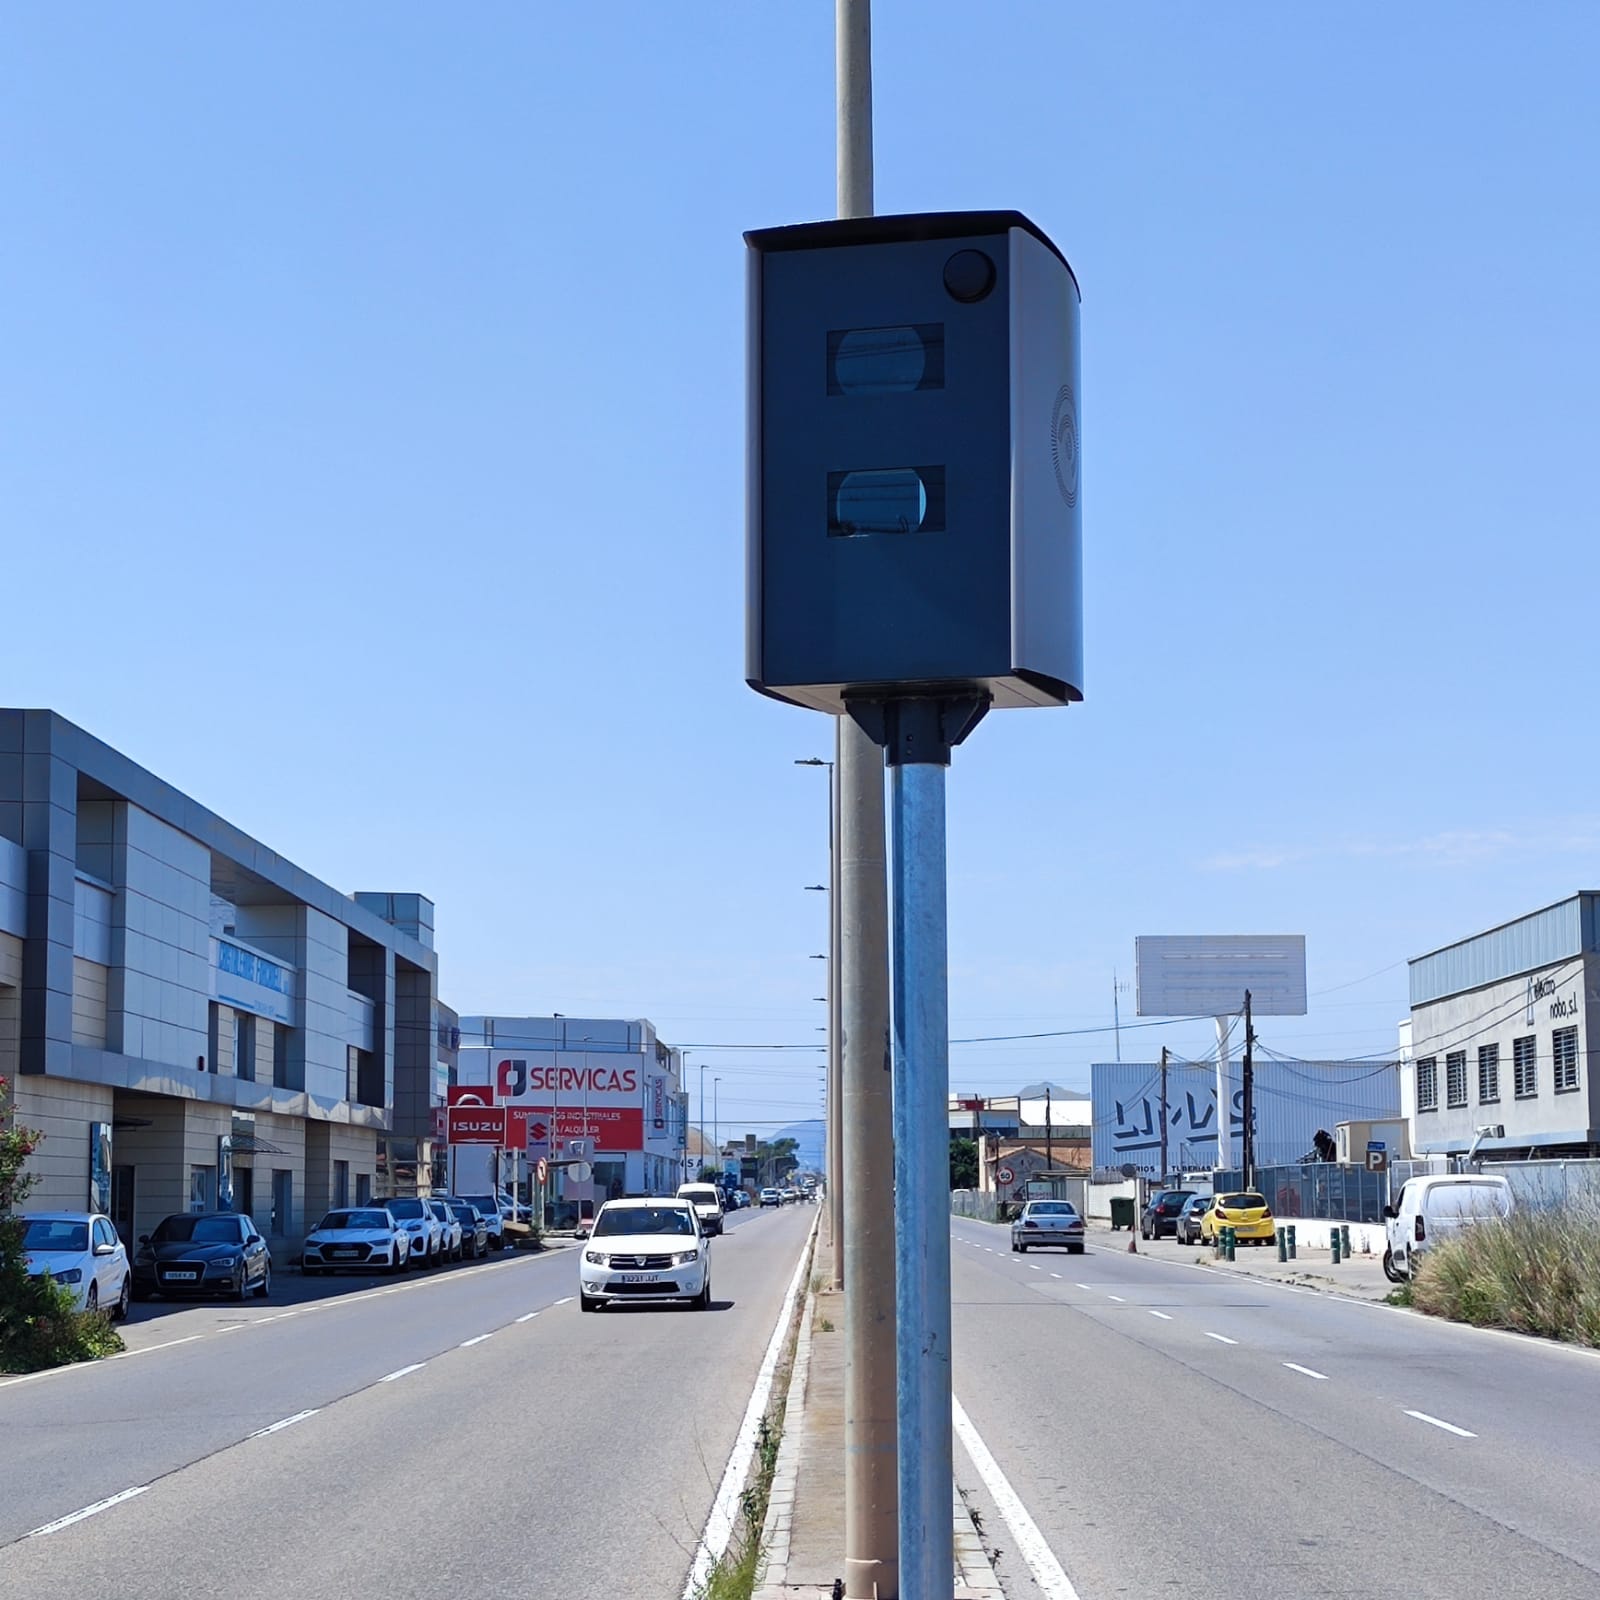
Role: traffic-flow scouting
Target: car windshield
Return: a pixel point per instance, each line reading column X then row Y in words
column 464, row 1211
column 643, row 1219
column 354, row 1219
column 484, row 1202
column 408, row 1208
column 1052, row 1208
column 1174, row 1199
column 44, row 1234
column 1197, row 1203
column 1241, row 1202
column 198, row 1230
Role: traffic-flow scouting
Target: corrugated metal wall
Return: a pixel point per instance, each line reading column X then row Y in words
column 1540, row 939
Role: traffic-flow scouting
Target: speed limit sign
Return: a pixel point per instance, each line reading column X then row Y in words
column 1006, row 1175
column 543, row 1170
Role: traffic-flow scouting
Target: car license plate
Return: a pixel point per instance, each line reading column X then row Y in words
column 641, row 1277
column 182, row 1277
column 344, row 1255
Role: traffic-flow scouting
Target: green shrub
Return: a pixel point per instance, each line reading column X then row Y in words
column 40, row 1325
column 1535, row 1272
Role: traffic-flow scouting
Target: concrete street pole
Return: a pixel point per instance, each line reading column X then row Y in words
column 860, row 1104
column 1224, row 1095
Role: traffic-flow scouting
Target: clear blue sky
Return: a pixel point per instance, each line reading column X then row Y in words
column 371, row 461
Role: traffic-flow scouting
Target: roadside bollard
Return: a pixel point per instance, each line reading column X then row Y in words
column 1290, row 1231
column 1231, row 1242
column 1344, row 1240
column 1335, row 1235
column 1283, row 1244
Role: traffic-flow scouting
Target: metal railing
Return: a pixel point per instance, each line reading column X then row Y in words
column 1322, row 1190
column 970, row 1203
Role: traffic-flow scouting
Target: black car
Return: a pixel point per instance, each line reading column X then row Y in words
column 1160, row 1219
column 474, row 1230
column 206, row 1252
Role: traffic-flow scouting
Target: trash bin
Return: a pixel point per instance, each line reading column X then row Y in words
column 1123, row 1213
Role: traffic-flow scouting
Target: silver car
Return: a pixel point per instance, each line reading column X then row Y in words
column 1048, row 1222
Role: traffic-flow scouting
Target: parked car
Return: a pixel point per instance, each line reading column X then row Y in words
column 1246, row 1212
column 488, row 1208
column 474, row 1230
column 1160, row 1216
column 1048, row 1222
column 1430, row 1209
column 204, row 1252
column 739, row 1199
column 646, row 1250
column 427, row 1235
column 359, row 1239
column 706, row 1198
column 451, row 1243
column 80, row 1250
column 771, row 1197
column 1194, row 1209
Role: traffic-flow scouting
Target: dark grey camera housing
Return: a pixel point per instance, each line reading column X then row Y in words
column 913, row 500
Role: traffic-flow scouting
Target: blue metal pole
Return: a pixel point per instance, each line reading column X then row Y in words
column 921, row 1078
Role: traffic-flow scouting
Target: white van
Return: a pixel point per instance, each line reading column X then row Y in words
column 1430, row 1209
column 706, row 1198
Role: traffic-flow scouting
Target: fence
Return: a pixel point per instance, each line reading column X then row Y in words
column 1535, row 1185
column 969, row 1203
column 1321, row 1189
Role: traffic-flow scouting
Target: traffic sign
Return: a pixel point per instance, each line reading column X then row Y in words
column 1377, row 1160
column 543, row 1170
column 580, row 1172
column 1006, row 1175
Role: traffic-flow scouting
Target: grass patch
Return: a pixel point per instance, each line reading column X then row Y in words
column 734, row 1576
column 1535, row 1272
column 1405, row 1295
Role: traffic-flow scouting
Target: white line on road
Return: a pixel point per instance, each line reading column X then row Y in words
column 1047, row 1572
column 389, row 1377
column 467, row 1344
column 1055, row 1274
column 1118, row 1298
column 1162, row 1314
column 283, row 1422
column 1221, row 1338
column 1085, row 1286
column 1294, row 1366
column 1033, row 1266
column 565, row 1300
column 88, row 1511
column 123, row 1355
column 1439, row 1422
column 724, row 1509
column 529, row 1317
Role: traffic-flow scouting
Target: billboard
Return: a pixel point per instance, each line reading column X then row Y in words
column 1206, row 975
column 1293, row 1101
column 476, row 1125
column 599, row 1096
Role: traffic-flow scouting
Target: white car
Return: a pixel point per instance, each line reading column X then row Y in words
column 427, row 1236
column 493, row 1217
column 645, row 1251
column 81, row 1250
column 451, row 1232
column 362, row 1238
column 1438, row 1207
column 706, row 1198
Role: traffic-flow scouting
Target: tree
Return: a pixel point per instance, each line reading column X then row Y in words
column 40, row 1325
column 963, row 1164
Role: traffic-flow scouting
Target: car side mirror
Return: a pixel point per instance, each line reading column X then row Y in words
column 1390, row 1213
column 105, row 1249
column 144, row 1238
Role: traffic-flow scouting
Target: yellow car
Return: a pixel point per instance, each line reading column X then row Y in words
column 1247, row 1214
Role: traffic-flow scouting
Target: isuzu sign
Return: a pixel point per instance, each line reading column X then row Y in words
column 477, row 1125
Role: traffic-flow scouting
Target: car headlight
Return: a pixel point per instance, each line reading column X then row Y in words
column 596, row 1257
column 71, row 1275
column 684, row 1257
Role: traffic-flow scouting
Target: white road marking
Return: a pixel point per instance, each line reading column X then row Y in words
column 389, row 1377
column 283, row 1422
column 529, row 1317
column 1294, row 1366
column 1118, row 1298
column 1221, row 1338
column 1033, row 1266
column 725, row 1508
column 1047, row 1572
column 123, row 1355
column 467, row 1344
column 565, row 1300
column 1086, row 1286
column 1055, row 1274
column 88, row 1511
column 1439, row 1422
column 1162, row 1314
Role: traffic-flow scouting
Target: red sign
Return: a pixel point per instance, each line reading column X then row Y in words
column 469, row 1094
column 973, row 1103
column 607, row 1128
column 477, row 1125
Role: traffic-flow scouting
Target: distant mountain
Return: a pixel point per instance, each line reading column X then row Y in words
column 808, row 1138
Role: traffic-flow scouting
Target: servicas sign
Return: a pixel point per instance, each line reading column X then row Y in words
column 517, row 1078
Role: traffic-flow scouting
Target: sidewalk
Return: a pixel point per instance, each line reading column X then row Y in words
column 802, row 1539
column 1360, row 1276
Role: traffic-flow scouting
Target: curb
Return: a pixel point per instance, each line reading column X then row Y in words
column 779, row 1520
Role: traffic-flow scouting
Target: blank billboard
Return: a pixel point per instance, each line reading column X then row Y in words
column 1206, row 975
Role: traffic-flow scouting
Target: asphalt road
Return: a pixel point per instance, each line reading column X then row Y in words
column 465, row 1432
column 1175, row 1430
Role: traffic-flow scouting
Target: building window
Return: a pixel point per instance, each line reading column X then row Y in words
column 1564, row 1048
column 282, row 1202
column 280, row 1058
column 245, row 1046
column 341, row 1183
column 1488, row 1074
column 363, row 1188
column 1525, row 1067
column 1428, row 1084
column 1455, row 1078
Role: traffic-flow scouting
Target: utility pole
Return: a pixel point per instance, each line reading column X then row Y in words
column 1163, row 1113
column 1247, row 1141
column 1049, row 1132
column 860, row 975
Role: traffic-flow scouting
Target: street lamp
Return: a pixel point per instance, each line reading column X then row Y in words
column 716, row 1125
